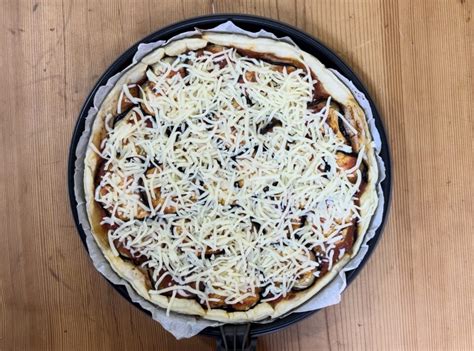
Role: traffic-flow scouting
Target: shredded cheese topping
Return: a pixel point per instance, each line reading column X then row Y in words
column 222, row 180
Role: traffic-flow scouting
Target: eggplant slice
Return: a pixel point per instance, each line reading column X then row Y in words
column 306, row 279
column 140, row 213
column 148, row 93
column 248, row 302
column 244, row 305
column 157, row 199
column 125, row 103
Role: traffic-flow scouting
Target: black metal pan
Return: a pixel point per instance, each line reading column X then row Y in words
column 240, row 337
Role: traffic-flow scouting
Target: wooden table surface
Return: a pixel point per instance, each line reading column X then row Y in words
column 416, row 58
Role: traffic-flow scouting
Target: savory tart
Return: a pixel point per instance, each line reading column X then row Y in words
column 229, row 177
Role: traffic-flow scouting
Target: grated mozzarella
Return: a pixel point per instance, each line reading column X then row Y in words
column 226, row 193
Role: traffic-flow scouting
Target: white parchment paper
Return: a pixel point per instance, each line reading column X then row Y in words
column 182, row 326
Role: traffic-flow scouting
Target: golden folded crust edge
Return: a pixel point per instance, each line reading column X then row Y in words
column 283, row 50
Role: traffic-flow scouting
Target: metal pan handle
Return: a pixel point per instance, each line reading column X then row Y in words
column 236, row 338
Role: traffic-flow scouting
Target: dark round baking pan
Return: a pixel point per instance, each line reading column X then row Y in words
column 238, row 333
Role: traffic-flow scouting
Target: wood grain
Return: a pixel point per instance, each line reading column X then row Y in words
column 416, row 58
